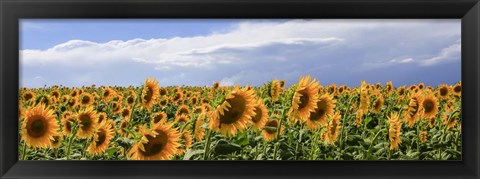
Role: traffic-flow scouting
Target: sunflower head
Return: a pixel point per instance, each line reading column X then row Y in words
column 429, row 106
column 269, row 132
column 159, row 143
column 150, row 93
column 39, row 127
column 182, row 110
column 87, row 121
column 275, row 90
column 101, row 138
column 86, row 99
column 443, row 91
column 423, row 136
column 414, row 108
column 457, row 89
column 261, row 115
column 159, row 117
column 234, row 113
column 304, row 99
column 199, row 131
column 378, row 103
column 126, row 113
column 185, row 141
column 394, row 130
column 325, row 107
column 182, row 118
column 28, row 95
column 101, row 117
column 333, row 128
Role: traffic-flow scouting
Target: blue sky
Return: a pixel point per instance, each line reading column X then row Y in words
column 235, row 51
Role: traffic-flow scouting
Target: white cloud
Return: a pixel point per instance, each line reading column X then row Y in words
column 453, row 52
column 253, row 50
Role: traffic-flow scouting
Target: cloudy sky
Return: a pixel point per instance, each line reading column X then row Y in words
column 238, row 51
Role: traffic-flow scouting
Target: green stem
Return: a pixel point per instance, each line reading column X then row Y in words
column 84, row 150
column 275, row 151
column 207, row 145
column 24, row 150
column 70, row 141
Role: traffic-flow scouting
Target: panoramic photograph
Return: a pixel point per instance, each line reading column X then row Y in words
column 240, row 89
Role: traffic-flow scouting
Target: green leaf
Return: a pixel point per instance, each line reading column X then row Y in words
column 223, row 147
column 191, row 153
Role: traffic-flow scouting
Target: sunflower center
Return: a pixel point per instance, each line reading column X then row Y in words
column 428, row 105
column 106, row 93
column 320, row 111
column 163, row 92
column 28, row 96
column 258, row 115
column 148, row 95
column 272, row 123
column 443, row 91
column 457, row 89
column 163, row 102
column 157, row 118
column 155, row 144
column 182, row 111
column 37, row 126
column 238, row 105
column 102, row 135
column 125, row 113
column 85, row 99
column 86, row 121
column 303, row 99
column 377, row 104
column 69, row 126
column 130, row 100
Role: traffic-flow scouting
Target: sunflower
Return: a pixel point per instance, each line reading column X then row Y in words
column 72, row 102
column 102, row 116
column 28, row 95
column 150, row 93
column 56, row 94
column 394, row 130
column 185, row 142
column 421, row 85
column 423, row 136
column 163, row 102
column 269, row 132
column 413, row 109
column 56, row 141
column 131, row 99
column 182, row 118
column 87, row 121
column 364, row 101
column 389, row 87
column 325, row 107
column 199, row 131
column 46, row 100
column 275, row 90
column 67, row 119
column 159, row 143
column 333, row 128
column 163, row 91
column 358, row 117
column 282, row 83
column 108, row 94
column 159, row 117
column 86, row 99
column 429, row 106
column 102, row 137
column 378, row 104
column 74, row 93
column 443, row 91
column 457, row 89
column 216, row 85
column 39, row 127
column 126, row 113
column 305, row 99
column 116, row 107
column 261, row 115
column 177, row 97
column 234, row 113
column 123, row 126
column 401, row 91
column 182, row 110
column 449, row 122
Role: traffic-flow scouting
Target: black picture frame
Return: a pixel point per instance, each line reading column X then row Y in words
column 13, row 10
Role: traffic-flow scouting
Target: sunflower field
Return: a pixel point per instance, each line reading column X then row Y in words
column 306, row 121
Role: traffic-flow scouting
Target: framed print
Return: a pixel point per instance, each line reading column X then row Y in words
column 240, row 89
